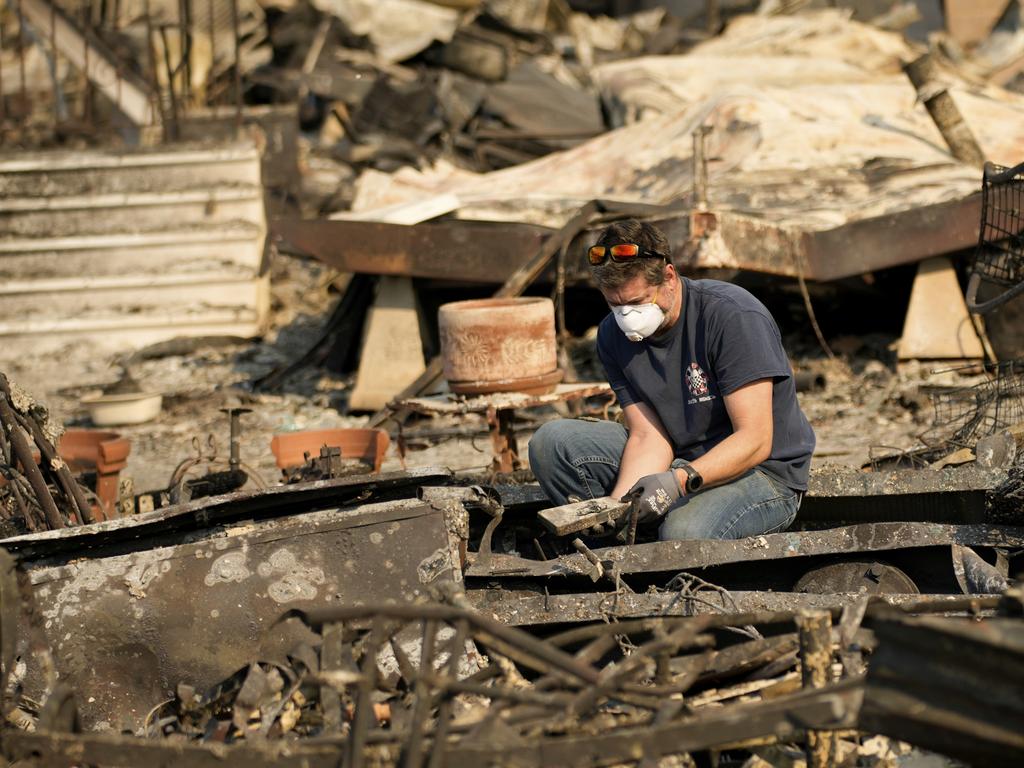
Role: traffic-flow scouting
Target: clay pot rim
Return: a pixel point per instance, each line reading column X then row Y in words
column 83, row 435
column 539, row 384
column 124, row 397
column 495, row 303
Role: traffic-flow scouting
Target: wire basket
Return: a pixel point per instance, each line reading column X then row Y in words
column 999, row 258
column 965, row 414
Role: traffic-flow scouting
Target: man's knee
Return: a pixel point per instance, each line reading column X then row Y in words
column 751, row 505
column 546, row 446
column 685, row 523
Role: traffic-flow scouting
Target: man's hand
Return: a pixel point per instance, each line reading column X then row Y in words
column 655, row 494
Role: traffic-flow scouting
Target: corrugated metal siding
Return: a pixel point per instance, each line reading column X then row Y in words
column 120, row 249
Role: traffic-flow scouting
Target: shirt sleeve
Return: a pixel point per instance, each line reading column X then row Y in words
column 612, row 370
column 746, row 347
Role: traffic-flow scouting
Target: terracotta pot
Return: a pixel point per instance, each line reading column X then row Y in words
column 499, row 345
column 367, row 445
column 105, row 453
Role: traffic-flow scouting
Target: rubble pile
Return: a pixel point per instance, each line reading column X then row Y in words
column 316, row 597
column 473, row 90
column 437, row 684
column 543, row 646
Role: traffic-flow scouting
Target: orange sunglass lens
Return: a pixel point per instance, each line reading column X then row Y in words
column 624, row 251
column 621, row 252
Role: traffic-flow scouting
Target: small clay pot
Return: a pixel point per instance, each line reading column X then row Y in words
column 367, row 445
column 499, row 345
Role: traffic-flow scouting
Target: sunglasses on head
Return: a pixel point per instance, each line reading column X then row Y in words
column 599, row 254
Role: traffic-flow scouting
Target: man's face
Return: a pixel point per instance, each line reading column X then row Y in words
column 635, row 291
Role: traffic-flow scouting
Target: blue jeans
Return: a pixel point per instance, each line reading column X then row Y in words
column 581, row 458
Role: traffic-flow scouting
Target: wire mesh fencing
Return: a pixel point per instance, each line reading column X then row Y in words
column 998, row 269
column 965, row 414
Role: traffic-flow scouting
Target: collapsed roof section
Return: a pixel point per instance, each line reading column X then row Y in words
column 820, row 161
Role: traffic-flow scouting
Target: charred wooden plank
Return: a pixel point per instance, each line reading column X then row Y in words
column 834, row 707
column 785, row 717
column 532, row 609
column 952, row 686
column 735, row 660
column 581, row 515
column 675, row 556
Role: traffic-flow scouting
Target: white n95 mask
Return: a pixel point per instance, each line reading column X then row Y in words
column 638, row 321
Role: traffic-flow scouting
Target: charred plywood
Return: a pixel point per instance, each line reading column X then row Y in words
column 126, row 629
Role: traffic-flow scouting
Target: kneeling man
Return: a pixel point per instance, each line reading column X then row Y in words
column 715, row 445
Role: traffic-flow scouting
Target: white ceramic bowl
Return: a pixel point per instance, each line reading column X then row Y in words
column 128, row 408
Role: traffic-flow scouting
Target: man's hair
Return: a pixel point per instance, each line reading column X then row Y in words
column 613, row 274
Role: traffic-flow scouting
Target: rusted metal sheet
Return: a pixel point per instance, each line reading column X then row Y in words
column 530, row 609
column 665, row 556
column 454, row 250
column 126, row 629
column 489, row 252
column 850, row 249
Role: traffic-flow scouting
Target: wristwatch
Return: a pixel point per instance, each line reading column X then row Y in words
column 693, row 479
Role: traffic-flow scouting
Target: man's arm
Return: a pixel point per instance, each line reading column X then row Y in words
column 648, row 448
column 750, row 411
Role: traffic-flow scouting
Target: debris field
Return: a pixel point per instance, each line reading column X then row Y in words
column 289, row 285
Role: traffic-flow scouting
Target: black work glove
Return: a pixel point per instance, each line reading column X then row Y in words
column 655, row 494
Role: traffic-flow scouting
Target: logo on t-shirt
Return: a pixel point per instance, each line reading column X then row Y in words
column 697, row 383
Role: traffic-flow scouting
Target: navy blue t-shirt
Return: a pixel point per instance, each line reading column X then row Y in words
column 724, row 338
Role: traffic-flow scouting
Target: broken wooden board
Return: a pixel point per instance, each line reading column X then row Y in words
column 937, row 324
column 581, row 515
column 392, row 353
column 445, row 405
